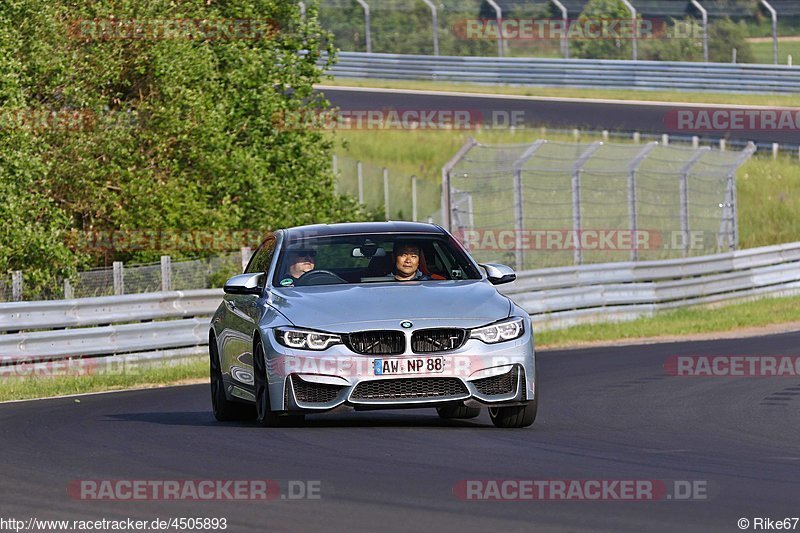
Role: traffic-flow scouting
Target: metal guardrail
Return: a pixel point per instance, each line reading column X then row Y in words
column 146, row 328
column 559, row 297
column 586, row 73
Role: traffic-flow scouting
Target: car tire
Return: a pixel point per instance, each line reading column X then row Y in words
column 458, row 412
column 223, row 408
column 516, row 416
column 265, row 416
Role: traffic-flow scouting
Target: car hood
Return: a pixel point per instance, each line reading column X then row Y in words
column 342, row 308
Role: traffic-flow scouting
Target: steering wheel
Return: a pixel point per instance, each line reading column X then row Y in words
column 318, row 277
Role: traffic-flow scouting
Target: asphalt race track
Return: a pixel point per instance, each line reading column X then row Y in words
column 605, row 414
column 559, row 113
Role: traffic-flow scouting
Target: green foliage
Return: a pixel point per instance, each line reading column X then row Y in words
column 723, row 36
column 603, row 48
column 177, row 133
column 403, row 27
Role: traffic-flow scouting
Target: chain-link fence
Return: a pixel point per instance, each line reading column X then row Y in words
column 397, row 195
column 669, row 30
column 134, row 279
column 556, row 203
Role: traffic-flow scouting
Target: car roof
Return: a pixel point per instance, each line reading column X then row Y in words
column 356, row 228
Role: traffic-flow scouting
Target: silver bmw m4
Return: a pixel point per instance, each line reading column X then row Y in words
column 379, row 315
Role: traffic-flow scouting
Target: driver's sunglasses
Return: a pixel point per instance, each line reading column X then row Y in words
column 305, row 255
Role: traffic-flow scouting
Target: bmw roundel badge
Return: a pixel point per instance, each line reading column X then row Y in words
column 406, row 324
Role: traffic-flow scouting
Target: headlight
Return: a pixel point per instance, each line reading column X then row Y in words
column 305, row 340
column 500, row 332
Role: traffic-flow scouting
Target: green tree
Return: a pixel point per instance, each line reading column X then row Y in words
column 723, row 36
column 179, row 133
column 603, row 48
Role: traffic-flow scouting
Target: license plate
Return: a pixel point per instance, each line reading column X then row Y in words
column 393, row 366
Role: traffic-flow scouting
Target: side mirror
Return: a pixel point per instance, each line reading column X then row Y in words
column 244, row 284
column 498, row 274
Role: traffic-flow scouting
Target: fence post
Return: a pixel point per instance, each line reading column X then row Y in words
column 637, row 137
column 68, row 292
column 665, row 139
column 386, row 193
column 246, row 254
column 605, row 135
column 695, row 141
column 704, row 17
column 576, row 197
column 722, row 145
column 775, row 148
column 119, row 278
column 633, row 219
column 564, row 36
column 335, row 163
column 166, row 273
column 499, row 18
column 360, row 174
column 367, row 29
column 635, row 26
column 447, row 207
column 414, row 198
column 519, row 206
column 435, row 22
column 684, row 197
column 16, row 286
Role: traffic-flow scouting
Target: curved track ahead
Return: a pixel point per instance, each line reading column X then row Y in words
column 614, row 115
column 605, row 413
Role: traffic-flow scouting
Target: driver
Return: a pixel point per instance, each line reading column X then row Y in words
column 300, row 259
column 406, row 262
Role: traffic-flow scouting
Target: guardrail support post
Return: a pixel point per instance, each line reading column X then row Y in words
column 119, row 278
column 360, row 175
column 166, row 273
column 367, row 28
column 386, row 193
column 576, row 197
column 247, row 253
column 16, row 286
column 69, row 293
column 414, row 198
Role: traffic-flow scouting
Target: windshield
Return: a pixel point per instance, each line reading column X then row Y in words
column 372, row 259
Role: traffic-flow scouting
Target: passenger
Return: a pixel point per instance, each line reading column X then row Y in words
column 406, row 262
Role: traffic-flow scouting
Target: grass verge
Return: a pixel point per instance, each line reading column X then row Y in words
column 21, row 388
column 681, row 322
column 763, row 51
column 566, row 92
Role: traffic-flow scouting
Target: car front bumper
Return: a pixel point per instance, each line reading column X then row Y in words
column 476, row 375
